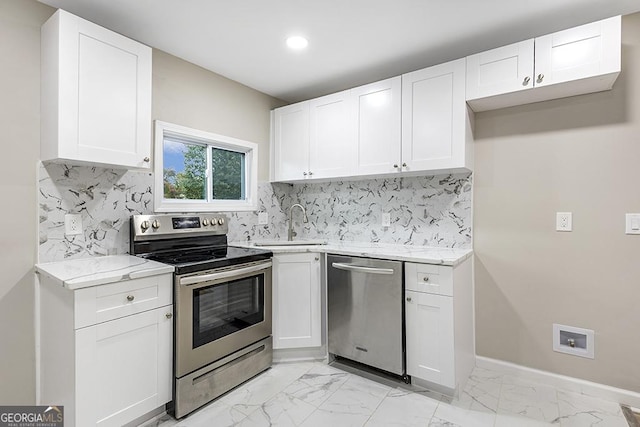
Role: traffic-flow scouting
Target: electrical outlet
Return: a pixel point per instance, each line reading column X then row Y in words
column 72, row 224
column 386, row 219
column 563, row 221
column 263, row 218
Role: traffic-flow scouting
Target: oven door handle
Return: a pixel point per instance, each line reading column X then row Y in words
column 191, row 280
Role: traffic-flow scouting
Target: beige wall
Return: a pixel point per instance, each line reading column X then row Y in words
column 580, row 155
column 188, row 95
column 20, row 23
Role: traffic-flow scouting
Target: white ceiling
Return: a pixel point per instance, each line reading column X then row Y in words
column 351, row 42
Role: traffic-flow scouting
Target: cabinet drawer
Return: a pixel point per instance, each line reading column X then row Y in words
column 428, row 278
column 107, row 302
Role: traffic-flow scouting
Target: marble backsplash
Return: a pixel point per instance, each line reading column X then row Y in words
column 433, row 210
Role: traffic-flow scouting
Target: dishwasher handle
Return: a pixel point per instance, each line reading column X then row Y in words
column 361, row 269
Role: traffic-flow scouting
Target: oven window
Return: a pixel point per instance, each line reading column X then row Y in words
column 223, row 309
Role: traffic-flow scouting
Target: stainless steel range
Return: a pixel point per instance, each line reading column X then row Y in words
column 222, row 303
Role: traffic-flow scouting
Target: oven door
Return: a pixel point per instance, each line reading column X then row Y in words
column 219, row 312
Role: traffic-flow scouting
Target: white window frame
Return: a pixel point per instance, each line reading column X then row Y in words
column 250, row 150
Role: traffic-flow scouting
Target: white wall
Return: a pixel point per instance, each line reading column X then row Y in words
column 20, row 22
column 581, row 155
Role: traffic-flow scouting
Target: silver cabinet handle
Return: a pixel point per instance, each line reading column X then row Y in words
column 234, row 272
column 409, row 299
column 395, row 165
column 404, row 165
column 540, row 78
column 169, row 315
column 425, row 278
column 146, row 160
column 310, row 173
column 130, row 298
column 317, row 259
column 526, row 81
column 304, row 173
column 361, row 269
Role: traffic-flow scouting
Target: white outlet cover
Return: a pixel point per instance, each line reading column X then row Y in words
column 564, row 221
column 263, row 218
column 72, row 224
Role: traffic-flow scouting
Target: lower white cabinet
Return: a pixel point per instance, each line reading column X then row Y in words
column 116, row 369
column 297, row 316
column 439, row 323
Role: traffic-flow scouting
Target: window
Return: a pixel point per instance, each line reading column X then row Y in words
column 197, row 171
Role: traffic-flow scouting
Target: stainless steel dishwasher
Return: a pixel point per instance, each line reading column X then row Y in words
column 365, row 311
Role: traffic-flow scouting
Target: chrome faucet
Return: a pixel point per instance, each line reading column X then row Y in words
column 304, row 219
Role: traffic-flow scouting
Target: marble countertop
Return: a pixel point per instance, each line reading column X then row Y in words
column 84, row 272
column 420, row 254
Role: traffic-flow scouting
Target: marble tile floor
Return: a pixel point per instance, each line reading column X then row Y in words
column 313, row 394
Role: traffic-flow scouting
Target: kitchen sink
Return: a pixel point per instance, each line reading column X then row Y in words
column 290, row 243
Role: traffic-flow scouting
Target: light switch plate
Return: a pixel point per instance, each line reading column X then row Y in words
column 564, row 221
column 386, row 219
column 263, row 218
column 632, row 223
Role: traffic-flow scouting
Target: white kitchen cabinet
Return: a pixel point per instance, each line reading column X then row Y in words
column 106, row 351
column 439, row 324
column 297, row 315
column 579, row 60
column 436, row 125
column 378, row 132
column 350, row 133
column 96, row 95
column 332, row 144
column 291, row 142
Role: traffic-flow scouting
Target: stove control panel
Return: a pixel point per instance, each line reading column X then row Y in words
column 147, row 227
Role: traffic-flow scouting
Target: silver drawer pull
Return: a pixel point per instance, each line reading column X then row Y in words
column 540, row 78
column 425, row 278
column 361, row 269
column 169, row 315
column 409, row 299
column 130, row 298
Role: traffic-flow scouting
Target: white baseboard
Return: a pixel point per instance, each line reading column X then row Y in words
column 563, row 382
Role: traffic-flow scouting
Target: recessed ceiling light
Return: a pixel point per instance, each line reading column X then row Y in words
column 297, row 42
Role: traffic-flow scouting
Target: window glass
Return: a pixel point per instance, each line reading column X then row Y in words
column 198, row 171
column 228, row 174
column 184, row 170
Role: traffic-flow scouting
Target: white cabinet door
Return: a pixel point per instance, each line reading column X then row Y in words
column 501, row 70
column 578, row 53
column 434, row 118
column 429, row 329
column 291, row 142
column 378, row 131
column 96, row 86
column 123, row 368
column 296, row 300
column 332, row 142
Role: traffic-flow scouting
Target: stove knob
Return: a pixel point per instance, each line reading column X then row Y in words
column 205, row 222
column 155, row 224
column 144, row 225
column 221, row 221
column 214, row 221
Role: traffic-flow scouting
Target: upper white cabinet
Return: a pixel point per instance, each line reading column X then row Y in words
column 579, row 60
column 377, row 121
column 355, row 132
column 436, row 125
column 96, row 95
column 291, row 142
column 332, row 147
